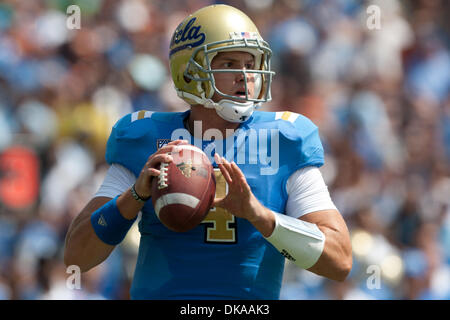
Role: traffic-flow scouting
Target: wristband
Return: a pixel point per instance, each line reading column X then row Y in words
column 109, row 224
column 136, row 196
column 300, row 241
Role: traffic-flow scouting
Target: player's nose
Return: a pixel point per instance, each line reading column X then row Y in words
column 241, row 76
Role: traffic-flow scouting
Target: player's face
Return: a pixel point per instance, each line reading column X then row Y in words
column 233, row 83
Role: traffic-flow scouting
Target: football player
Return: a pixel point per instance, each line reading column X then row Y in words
column 271, row 200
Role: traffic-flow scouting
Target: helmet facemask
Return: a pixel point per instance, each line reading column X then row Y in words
column 199, row 68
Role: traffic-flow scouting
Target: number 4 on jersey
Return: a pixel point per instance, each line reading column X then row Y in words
column 220, row 224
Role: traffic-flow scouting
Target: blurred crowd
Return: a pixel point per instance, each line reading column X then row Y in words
column 380, row 97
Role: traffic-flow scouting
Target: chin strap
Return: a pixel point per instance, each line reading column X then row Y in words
column 232, row 111
column 228, row 110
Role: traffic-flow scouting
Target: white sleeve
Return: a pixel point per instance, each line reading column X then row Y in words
column 117, row 180
column 307, row 192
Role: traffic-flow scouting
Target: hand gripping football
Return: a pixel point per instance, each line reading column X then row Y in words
column 184, row 191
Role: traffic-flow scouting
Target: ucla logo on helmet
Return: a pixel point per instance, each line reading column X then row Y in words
column 188, row 33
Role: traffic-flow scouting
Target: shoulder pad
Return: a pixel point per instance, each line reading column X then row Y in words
column 299, row 138
column 137, row 124
column 128, row 133
column 292, row 125
column 129, row 126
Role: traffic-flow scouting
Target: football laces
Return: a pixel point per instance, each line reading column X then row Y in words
column 162, row 178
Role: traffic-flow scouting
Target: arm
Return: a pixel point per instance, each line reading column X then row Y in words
column 309, row 200
column 335, row 260
column 82, row 245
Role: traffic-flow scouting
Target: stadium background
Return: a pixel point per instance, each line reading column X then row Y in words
column 380, row 98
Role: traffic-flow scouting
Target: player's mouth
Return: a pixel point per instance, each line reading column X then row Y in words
column 241, row 94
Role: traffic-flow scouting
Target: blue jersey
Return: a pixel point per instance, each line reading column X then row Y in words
column 224, row 257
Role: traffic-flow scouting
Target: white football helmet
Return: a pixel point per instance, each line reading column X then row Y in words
column 195, row 43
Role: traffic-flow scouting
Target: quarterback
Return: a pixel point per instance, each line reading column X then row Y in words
column 271, row 201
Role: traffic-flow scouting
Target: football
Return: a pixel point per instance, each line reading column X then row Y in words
column 184, row 191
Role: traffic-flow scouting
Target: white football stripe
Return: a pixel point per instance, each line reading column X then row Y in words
column 175, row 198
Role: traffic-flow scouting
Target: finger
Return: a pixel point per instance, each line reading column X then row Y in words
column 177, row 142
column 239, row 176
column 218, row 202
column 225, row 172
column 232, row 170
column 236, row 171
column 217, row 158
column 158, row 158
column 153, row 172
column 227, row 165
column 172, row 146
column 168, row 149
column 237, row 184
